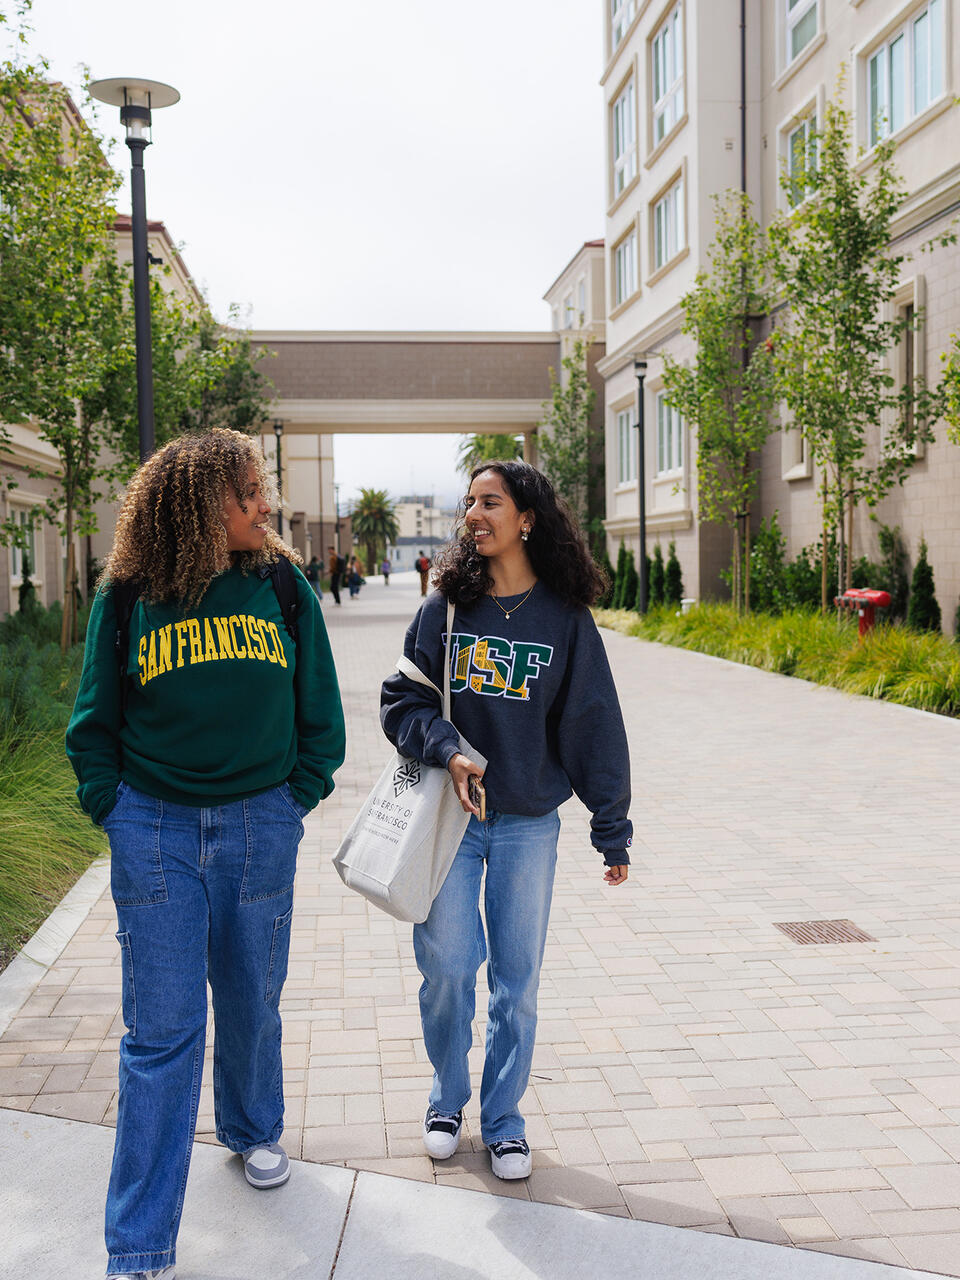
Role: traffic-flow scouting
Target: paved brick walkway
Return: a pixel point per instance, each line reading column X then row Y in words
column 695, row 1066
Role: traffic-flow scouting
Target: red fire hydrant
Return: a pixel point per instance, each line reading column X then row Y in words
column 866, row 602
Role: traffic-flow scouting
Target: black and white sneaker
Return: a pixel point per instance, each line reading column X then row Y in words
column 441, row 1134
column 510, row 1159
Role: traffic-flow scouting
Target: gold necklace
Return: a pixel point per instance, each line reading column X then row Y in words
column 514, row 608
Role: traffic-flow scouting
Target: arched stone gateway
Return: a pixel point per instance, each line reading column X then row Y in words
column 397, row 383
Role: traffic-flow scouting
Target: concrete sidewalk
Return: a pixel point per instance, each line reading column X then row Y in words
column 696, row 1067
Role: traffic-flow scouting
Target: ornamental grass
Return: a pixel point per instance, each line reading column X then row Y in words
column 912, row 668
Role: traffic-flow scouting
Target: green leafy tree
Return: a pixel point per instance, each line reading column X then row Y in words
column 656, row 577
column 374, row 521
column 616, row 601
column 606, row 568
column 923, row 611
column 832, row 259
column 672, row 578
column 568, row 441
column 631, row 583
column 893, row 575
column 727, row 392
column 476, row 449
column 56, row 244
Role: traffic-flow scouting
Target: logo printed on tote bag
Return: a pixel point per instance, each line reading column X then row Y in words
column 407, row 775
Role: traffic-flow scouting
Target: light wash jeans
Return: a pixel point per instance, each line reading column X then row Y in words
column 521, row 856
column 200, row 894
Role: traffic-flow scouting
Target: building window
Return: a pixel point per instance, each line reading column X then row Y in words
column 626, row 447
column 801, row 160
column 569, row 315
column 669, row 437
column 668, row 220
column 28, row 551
column 582, row 299
column 906, row 74
column 667, row 76
column 801, row 26
column 622, row 13
column 625, row 268
column 624, row 140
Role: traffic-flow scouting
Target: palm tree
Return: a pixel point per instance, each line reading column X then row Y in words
column 374, row 521
column 474, row 450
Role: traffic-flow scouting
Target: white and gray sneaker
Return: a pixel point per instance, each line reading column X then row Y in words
column 266, row 1165
column 441, row 1134
column 165, row 1273
column 510, row 1158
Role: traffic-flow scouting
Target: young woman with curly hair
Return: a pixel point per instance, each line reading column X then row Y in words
column 532, row 691
column 200, row 761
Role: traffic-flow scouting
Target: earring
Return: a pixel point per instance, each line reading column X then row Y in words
column 524, row 534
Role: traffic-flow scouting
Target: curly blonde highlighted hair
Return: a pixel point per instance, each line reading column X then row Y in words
column 170, row 534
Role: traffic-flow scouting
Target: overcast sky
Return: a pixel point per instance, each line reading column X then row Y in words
column 425, row 164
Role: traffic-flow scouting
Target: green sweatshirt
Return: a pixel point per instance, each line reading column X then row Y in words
column 221, row 704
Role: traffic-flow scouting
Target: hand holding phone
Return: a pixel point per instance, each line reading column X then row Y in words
column 478, row 795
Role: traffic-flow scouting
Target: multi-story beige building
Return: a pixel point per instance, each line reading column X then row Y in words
column 692, row 112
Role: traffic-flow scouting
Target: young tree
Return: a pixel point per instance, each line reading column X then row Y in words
column 657, row 576
column 672, row 578
column 727, row 393
column 833, row 262
column 56, row 245
column 477, row 449
column 375, row 523
column 567, row 439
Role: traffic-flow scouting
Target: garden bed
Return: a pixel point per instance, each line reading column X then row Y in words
column 914, row 669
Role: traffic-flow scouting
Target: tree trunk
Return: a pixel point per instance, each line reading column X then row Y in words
column 736, row 563
column 68, row 619
column 841, row 537
column 823, row 561
column 746, row 561
column 850, row 512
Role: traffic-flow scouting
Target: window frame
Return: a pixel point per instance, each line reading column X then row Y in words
column 882, row 121
column 35, row 522
column 630, row 235
column 672, row 100
column 626, row 429
column 624, row 166
column 675, row 451
column 628, row 11
column 675, row 189
column 807, row 125
column 791, row 20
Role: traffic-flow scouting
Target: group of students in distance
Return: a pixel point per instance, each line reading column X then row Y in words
column 202, row 767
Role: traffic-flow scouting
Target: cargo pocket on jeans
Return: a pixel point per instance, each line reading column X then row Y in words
column 136, row 868
column 279, row 954
column 128, row 999
column 273, row 833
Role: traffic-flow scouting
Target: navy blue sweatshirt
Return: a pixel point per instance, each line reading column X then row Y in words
column 534, row 694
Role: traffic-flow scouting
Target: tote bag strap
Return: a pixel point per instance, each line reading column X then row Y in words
column 413, row 672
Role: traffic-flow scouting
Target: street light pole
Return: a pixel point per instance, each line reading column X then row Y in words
column 336, row 525
column 640, row 372
column 136, row 100
column 278, row 432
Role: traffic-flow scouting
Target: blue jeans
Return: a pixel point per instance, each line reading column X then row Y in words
column 200, row 894
column 520, row 855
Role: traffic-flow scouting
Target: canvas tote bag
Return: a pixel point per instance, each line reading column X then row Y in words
column 402, row 843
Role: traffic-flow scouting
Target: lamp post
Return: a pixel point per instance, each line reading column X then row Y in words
column 640, row 372
column 278, row 432
column 336, row 506
column 136, row 100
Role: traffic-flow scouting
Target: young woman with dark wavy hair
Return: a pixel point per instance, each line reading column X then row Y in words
column 200, row 748
column 532, row 691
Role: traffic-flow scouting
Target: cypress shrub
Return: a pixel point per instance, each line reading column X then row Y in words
column 616, row 601
column 606, row 568
column 656, row 578
column 672, row 579
column 923, row 612
column 631, row 583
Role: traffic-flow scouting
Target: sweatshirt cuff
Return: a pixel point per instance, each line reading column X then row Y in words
column 447, row 751
column 616, row 857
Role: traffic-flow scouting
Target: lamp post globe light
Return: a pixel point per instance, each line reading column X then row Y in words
column 640, row 373
column 137, row 99
column 278, row 432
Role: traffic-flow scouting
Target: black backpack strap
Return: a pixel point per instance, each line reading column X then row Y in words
column 284, row 582
column 125, row 596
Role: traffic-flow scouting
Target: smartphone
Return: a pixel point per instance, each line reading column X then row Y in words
column 477, row 795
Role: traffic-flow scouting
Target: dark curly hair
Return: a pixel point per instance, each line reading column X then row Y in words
column 557, row 549
column 170, row 535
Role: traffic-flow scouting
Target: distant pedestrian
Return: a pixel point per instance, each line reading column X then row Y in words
column 335, row 564
column 355, row 576
column 385, row 570
column 533, row 692
column 312, row 573
column 206, row 726
column 423, row 568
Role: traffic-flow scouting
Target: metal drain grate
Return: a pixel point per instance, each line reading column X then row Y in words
column 807, row 932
